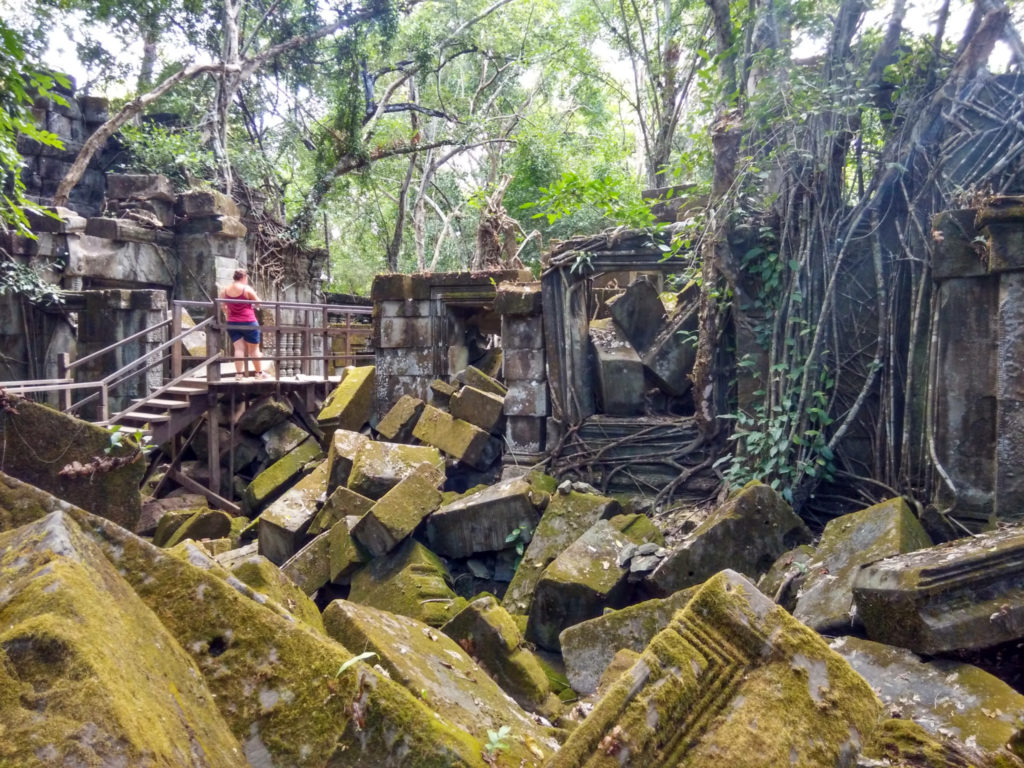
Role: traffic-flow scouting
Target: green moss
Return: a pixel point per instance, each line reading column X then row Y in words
column 637, row 528
column 275, row 681
column 349, row 405
column 905, row 744
column 378, row 467
column 457, row 438
column 265, row 577
column 70, row 694
column 204, row 524
column 276, row 478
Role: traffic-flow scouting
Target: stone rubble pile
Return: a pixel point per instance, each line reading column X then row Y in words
column 394, row 598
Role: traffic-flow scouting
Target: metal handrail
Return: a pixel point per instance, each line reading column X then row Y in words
column 215, row 358
column 166, row 345
column 118, row 343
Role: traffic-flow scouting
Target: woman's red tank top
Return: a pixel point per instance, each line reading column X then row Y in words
column 239, row 313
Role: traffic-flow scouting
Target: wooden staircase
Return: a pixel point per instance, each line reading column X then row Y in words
column 165, row 416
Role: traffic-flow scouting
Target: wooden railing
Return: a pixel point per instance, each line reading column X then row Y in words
column 177, row 365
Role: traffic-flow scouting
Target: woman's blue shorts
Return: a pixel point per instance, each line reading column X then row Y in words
column 248, row 331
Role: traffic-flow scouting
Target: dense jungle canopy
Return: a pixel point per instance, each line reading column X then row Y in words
column 806, row 130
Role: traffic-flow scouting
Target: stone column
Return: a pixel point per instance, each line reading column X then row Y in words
column 523, row 366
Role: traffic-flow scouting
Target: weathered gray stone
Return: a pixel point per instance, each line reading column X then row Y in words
column 346, row 556
column 733, row 681
column 279, row 476
column 350, row 404
column 153, row 510
column 580, row 583
column 260, row 417
column 1009, row 353
column 283, row 439
column 283, row 525
column 489, row 634
column 140, row 186
column 404, row 332
column 459, row 439
column 589, row 647
column 264, row 577
column 341, row 452
column 522, row 332
column 945, row 697
column 746, row 534
column 206, row 203
column 479, row 408
column 433, row 667
column 340, row 504
column 825, row 600
column 397, row 514
column 956, row 251
column 482, row 521
column 965, row 594
column 672, row 352
column 70, row 698
column 638, row 312
column 518, row 299
column 566, row 518
column 398, row 423
column 310, row 568
column 201, row 524
column 378, row 467
column 783, row 580
column 474, row 377
column 620, row 374
column 410, row 581
column 525, row 434
column 523, row 365
column 527, row 398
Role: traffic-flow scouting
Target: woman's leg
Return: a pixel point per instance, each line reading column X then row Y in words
column 253, row 351
column 239, row 346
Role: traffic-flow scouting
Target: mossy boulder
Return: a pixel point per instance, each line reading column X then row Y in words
column 565, row 519
column 746, row 534
column 477, row 378
column 589, row 647
column 275, row 681
column 202, row 524
column 341, row 503
column 483, row 521
column 283, row 525
column 261, row 416
column 733, row 682
column 266, row 578
column 433, row 667
column 945, row 697
column 378, row 467
column 279, row 476
column 579, row 584
column 350, row 404
column 88, row 674
column 310, row 568
column 283, row 439
column 397, row 514
column 783, row 580
column 341, row 452
column 154, row 510
column 398, row 423
column 38, row 442
column 905, row 744
column 458, row 439
column 171, row 522
column 346, row 556
column 489, row 634
column 410, row 581
column 481, row 409
column 825, row 600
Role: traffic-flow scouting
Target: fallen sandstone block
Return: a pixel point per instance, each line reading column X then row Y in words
column 479, row 408
column 620, row 374
column 474, row 377
column 638, row 312
column 283, row 525
column 397, row 514
column 733, row 682
column 965, row 594
column 275, row 479
column 201, row 524
column 458, row 439
column 825, row 600
column 350, row 404
column 341, row 453
column 345, row 554
column 342, row 503
column 378, row 467
column 266, row 578
column 483, row 521
column 398, row 423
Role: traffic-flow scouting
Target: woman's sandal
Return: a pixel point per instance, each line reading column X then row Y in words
column 262, row 375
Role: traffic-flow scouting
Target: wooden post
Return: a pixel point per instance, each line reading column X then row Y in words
column 104, row 402
column 213, row 346
column 176, row 347
column 213, row 444
column 63, row 363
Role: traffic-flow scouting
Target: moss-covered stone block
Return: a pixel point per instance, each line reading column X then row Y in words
column 378, row 467
column 435, row 668
column 283, row 525
column 346, row 556
column 962, row 595
column 906, row 744
column 410, row 581
column 171, row 522
column 350, row 404
column 154, row 510
column 70, row 694
column 479, row 408
column 490, row 635
column 39, row 441
column 310, row 568
column 733, row 682
column 579, row 584
column 397, row 514
column 589, row 647
column 746, row 534
column 398, row 423
column 276, row 681
column 341, row 503
column 825, row 602
column 637, row 528
column 441, row 392
column 783, row 580
column 282, row 439
column 946, row 697
column 343, row 446
column 203, row 524
column 261, row 416
column 483, row 521
column 279, row 476
column 459, row 439
column 476, row 378
column 267, row 579
column 565, row 519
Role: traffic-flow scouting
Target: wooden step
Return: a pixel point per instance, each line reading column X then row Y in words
column 145, row 417
column 188, row 391
column 161, row 403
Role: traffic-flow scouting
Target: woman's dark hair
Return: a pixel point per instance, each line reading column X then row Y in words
column 239, row 274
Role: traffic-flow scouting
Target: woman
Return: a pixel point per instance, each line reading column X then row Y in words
column 245, row 333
